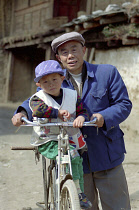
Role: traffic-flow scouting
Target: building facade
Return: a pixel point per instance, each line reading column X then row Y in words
column 28, row 27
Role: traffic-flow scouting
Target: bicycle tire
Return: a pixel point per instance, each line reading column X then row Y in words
column 69, row 196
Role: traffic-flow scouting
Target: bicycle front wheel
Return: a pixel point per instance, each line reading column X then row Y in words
column 69, row 196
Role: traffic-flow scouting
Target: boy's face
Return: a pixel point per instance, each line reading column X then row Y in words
column 51, row 83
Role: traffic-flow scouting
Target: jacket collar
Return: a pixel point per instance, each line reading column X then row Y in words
column 87, row 70
column 89, row 67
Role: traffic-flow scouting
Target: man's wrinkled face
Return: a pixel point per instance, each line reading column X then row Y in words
column 71, row 54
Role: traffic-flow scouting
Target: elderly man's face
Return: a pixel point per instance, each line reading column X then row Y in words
column 71, row 54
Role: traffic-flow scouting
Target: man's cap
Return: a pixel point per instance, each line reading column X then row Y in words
column 47, row 67
column 72, row 36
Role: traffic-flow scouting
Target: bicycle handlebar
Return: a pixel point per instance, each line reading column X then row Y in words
column 42, row 122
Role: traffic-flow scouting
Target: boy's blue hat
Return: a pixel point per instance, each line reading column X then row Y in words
column 47, row 67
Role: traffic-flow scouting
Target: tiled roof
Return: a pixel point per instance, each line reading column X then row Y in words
column 113, row 27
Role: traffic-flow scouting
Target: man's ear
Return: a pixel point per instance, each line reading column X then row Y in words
column 38, row 84
column 84, row 49
column 58, row 57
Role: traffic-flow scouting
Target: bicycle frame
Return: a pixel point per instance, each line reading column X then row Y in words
column 63, row 157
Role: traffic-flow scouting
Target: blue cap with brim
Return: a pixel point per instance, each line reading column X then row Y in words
column 47, row 67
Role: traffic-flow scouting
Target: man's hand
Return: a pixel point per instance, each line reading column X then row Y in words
column 16, row 119
column 64, row 115
column 100, row 120
column 78, row 122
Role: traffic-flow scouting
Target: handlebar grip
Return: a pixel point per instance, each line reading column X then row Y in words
column 22, row 119
column 94, row 120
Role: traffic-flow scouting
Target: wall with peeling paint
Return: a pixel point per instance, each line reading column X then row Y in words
column 126, row 59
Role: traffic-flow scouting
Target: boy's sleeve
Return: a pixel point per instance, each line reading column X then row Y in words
column 25, row 107
column 80, row 110
column 42, row 110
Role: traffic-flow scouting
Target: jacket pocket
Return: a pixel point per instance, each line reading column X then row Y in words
column 99, row 93
column 99, row 99
column 114, row 133
column 116, row 146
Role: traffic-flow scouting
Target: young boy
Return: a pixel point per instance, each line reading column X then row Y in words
column 59, row 104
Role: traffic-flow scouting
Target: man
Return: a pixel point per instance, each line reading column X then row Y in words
column 105, row 96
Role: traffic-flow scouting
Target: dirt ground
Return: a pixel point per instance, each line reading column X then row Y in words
column 21, row 179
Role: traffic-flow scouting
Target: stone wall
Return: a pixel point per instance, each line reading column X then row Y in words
column 4, row 76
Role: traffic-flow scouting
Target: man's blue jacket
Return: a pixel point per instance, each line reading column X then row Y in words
column 103, row 92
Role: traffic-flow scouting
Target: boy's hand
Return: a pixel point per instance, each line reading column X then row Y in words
column 64, row 115
column 78, row 122
column 16, row 119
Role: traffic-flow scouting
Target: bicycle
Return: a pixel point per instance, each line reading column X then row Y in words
column 60, row 192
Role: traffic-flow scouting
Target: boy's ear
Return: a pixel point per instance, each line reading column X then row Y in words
column 38, row 84
column 62, row 77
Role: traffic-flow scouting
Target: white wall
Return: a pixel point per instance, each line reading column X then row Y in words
column 126, row 59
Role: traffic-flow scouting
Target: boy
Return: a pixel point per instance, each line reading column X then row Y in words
column 59, row 104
